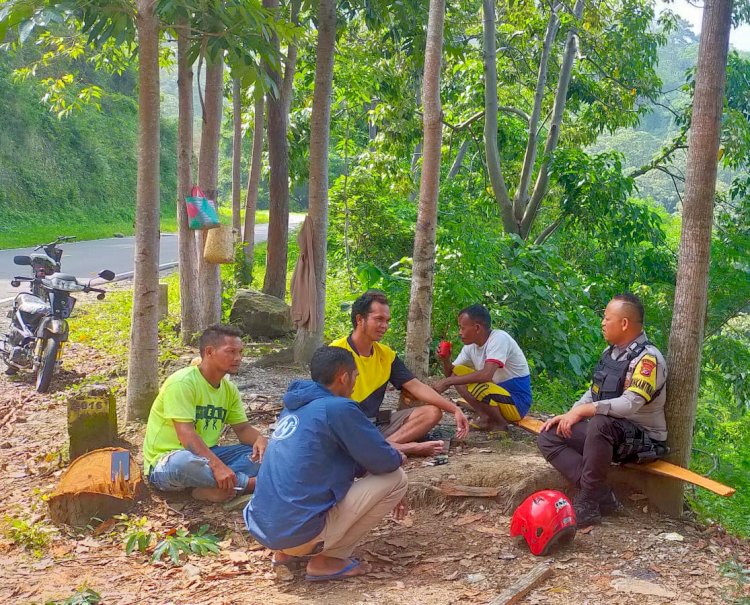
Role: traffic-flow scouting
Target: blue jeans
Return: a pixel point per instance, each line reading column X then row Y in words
column 182, row 469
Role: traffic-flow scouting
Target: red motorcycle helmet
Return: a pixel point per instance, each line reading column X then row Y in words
column 544, row 519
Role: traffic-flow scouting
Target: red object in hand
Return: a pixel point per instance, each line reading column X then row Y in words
column 444, row 349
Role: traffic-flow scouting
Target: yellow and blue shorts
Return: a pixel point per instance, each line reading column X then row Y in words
column 491, row 394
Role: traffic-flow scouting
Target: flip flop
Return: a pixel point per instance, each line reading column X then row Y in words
column 339, row 575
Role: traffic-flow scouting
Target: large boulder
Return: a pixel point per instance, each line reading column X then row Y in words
column 260, row 315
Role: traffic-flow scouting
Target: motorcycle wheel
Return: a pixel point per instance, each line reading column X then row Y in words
column 47, row 365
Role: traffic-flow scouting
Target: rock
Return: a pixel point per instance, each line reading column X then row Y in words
column 191, row 571
column 475, row 578
column 260, row 315
column 634, row 586
column 672, row 537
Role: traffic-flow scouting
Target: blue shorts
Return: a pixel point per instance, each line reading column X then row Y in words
column 182, row 469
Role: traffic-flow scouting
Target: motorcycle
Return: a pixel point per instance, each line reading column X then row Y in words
column 39, row 326
column 46, row 262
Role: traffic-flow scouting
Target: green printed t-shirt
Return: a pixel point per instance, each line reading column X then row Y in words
column 186, row 396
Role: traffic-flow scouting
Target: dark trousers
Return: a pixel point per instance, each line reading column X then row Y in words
column 584, row 458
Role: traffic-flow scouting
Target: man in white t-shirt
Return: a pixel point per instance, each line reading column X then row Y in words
column 490, row 372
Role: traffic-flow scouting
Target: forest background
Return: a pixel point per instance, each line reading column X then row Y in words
column 68, row 165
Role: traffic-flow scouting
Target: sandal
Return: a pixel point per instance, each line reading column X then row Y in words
column 341, row 574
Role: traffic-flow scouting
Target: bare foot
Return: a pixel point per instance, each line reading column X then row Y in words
column 320, row 565
column 212, row 494
column 426, row 448
column 486, row 424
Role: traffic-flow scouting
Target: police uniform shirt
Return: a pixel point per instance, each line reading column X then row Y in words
column 647, row 374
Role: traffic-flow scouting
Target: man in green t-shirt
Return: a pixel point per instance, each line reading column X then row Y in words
column 180, row 450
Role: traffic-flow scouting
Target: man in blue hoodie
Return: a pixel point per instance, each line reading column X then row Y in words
column 306, row 498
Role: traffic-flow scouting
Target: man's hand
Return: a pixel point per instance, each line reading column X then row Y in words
column 441, row 385
column 259, row 448
column 225, row 477
column 462, row 424
column 401, row 510
column 564, row 423
column 550, row 423
column 567, row 420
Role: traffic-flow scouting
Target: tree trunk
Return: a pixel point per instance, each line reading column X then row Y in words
column 423, row 268
column 494, row 168
column 458, row 162
column 209, row 278
column 253, row 181
column 188, row 255
column 278, row 160
column 521, row 197
column 236, row 154
column 686, row 336
column 558, row 110
column 143, row 361
column 320, row 128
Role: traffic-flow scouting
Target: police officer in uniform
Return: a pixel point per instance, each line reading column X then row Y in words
column 620, row 418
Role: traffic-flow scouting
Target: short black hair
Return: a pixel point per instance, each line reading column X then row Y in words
column 478, row 314
column 213, row 336
column 362, row 305
column 328, row 362
column 631, row 299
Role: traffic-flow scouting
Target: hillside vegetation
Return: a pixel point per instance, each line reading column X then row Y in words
column 75, row 175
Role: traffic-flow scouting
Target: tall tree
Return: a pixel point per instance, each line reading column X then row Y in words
column 188, row 255
column 423, row 267
column 143, row 361
column 236, row 153
column 308, row 340
column 253, row 181
column 208, row 176
column 688, row 319
column 278, row 103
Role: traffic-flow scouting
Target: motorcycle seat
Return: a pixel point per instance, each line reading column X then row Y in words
column 33, row 305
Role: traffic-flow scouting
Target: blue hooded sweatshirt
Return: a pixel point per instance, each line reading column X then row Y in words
column 320, row 444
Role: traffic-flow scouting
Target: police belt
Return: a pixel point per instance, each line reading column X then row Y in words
column 638, row 447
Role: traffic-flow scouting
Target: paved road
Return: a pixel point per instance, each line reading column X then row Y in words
column 86, row 259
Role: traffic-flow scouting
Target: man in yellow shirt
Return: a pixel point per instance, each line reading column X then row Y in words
column 378, row 365
column 194, row 404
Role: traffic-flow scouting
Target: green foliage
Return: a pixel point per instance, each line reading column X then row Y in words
column 183, row 543
column 82, row 596
column 33, row 537
column 66, row 176
column 105, row 324
column 136, row 533
column 741, row 575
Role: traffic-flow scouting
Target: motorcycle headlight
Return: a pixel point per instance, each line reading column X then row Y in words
column 66, row 285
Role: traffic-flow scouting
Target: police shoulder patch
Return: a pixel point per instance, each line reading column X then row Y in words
column 644, row 377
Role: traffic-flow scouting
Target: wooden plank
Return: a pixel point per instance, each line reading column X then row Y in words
column 658, row 467
column 523, row 585
column 451, row 489
column 667, row 469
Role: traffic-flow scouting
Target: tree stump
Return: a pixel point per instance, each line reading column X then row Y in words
column 92, row 420
column 87, row 491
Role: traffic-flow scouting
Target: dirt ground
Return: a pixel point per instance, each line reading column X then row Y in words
column 448, row 550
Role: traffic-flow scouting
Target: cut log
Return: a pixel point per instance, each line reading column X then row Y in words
column 92, row 420
column 451, row 489
column 523, row 585
column 87, row 491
